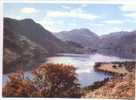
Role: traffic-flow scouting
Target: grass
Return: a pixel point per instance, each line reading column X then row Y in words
column 113, row 68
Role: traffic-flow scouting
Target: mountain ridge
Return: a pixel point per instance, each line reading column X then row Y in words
column 83, row 36
column 121, row 44
column 30, row 42
column 27, row 44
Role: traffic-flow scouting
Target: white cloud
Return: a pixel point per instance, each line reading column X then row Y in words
column 78, row 13
column 128, row 8
column 113, row 22
column 84, row 5
column 29, row 10
column 131, row 15
column 66, row 7
column 98, row 24
column 116, row 29
column 51, row 24
column 72, row 24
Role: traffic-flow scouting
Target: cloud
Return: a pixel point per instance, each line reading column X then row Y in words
column 113, row 22
column 78, row 13
column 66, row 7
column 116, row 29
column 98, row 24
column 128, row 8
column 29, row 10
column 131, row 15
column 51, row 24
column 84, row 5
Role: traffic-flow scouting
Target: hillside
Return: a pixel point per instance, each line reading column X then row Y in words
column 25, row 39
column 19, row 51
column 118, row 86
column 83, row 36
column 115, row 88
column 35, row 32
column 122, row 44
column 27, row 43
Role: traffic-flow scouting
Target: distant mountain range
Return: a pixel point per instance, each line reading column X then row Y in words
column 27, row 43
column 122, row 44
column 83, row 36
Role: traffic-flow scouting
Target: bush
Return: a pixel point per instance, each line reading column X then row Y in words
column 49, row 80
column 17, row 86
column 57, row 80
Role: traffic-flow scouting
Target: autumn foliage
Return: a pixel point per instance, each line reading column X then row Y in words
column 49, row 80
column 17, row 86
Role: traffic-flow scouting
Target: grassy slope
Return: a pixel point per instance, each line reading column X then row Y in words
column 117, row 87
column 110, row 68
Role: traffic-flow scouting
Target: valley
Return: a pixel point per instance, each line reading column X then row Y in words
column 28, row 46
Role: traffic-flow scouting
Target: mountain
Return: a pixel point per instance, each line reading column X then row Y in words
column 122, row 44
column 20, row 52
column 27, row 44
column 35, row 32
column 82, row 36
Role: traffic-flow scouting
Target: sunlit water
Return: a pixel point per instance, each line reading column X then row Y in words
column 84, row 64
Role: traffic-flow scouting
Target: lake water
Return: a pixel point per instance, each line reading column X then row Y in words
column 84, row 64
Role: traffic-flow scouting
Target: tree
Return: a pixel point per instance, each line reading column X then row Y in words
column 48, row 80
column 57, row 80
column 17, row 86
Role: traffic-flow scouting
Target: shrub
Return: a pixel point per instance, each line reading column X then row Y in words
column 57, row 80
column 17, row 86
column 49, row 80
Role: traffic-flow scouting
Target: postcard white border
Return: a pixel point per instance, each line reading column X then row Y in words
column 73, row 1
column 56, row 2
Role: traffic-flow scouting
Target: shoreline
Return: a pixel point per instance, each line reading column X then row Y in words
column 119, row 86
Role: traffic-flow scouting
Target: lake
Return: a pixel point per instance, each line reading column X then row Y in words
column 84, row 66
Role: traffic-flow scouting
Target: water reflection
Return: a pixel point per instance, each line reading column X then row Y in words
column 84, row 66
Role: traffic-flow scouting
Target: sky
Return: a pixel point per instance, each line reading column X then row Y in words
column 99, row 18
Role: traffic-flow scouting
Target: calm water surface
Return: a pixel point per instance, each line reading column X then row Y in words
column 84, row 64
